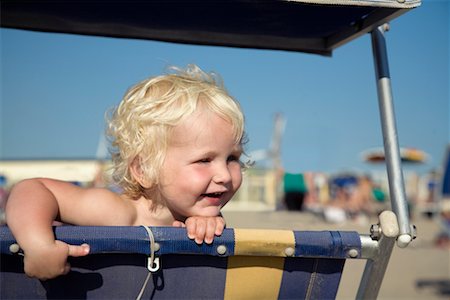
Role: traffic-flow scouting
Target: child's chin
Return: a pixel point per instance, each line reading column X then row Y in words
column 209, row 212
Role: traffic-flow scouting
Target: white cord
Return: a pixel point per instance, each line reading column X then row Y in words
column 153, row 263
column 149, row 275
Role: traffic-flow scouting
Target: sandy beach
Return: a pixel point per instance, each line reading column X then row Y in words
column 420, row 271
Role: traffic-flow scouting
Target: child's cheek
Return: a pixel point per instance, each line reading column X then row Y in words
column 200, row 176
column 237, row 178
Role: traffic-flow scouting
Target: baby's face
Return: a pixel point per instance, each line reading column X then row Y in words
column 201, row 171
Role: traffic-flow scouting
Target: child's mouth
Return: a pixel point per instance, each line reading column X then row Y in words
column 214, row 199
column 213, row 195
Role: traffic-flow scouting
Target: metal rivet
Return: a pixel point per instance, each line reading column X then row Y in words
column 221, row 249
column 375, row 232
column 289, row 251
column 157, row 247
column 14, row 248
column 353, row 253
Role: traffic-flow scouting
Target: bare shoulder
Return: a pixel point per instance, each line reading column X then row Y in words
column 90, row 206
column 109, row 208
column 69, row 192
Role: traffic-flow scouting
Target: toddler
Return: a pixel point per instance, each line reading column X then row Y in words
column 177, row 141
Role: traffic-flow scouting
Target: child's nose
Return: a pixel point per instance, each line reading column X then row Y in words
column 222, row 174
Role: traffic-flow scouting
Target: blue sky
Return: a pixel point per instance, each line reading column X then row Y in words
column 55, row 89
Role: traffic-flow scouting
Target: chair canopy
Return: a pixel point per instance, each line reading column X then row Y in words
column 307, row 26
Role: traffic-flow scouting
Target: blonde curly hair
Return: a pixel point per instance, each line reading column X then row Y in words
column 139, row 128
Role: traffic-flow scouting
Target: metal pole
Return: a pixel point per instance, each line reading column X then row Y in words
column 390, row 139
column 375, row 269
column 377, row 249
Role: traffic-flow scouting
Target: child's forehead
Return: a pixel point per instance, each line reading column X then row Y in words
column 200, row 120
column 201, row 127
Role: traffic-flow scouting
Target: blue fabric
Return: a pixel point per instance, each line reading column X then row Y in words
column 327, row 276
column 309, row 278
column 199, row 277
column 117, row 265
column 107, row 239
column 331, row 244
column 120, row 276
column 296, row 278
column 175, row 240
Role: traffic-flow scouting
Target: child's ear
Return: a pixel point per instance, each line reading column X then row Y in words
column 138, row 174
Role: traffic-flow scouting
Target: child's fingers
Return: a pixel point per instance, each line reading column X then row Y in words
column 220, row 226
column 191, row 226
column 204, row 228
column 178, row 224
column 200, row 230
column 210, row 230
column 66, row 269
column 81, row 250
column 56, row 262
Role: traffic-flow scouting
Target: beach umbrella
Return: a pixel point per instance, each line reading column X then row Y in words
column 407, row 155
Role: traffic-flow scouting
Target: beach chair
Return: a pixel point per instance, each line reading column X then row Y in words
column 241, row 263
column 162, row 263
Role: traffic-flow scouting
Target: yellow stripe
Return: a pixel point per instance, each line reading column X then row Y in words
column 256, row 270
column 263, row 242
column 253, row 277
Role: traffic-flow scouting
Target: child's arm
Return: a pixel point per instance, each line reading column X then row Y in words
column 30, row 211
column 203, row 228
column 35, row 203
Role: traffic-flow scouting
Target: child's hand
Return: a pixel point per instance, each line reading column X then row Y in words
column 203, row 228
column 50, row 261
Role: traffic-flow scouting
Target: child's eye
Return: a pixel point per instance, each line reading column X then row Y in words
column 232, row 158
column 204, row 160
